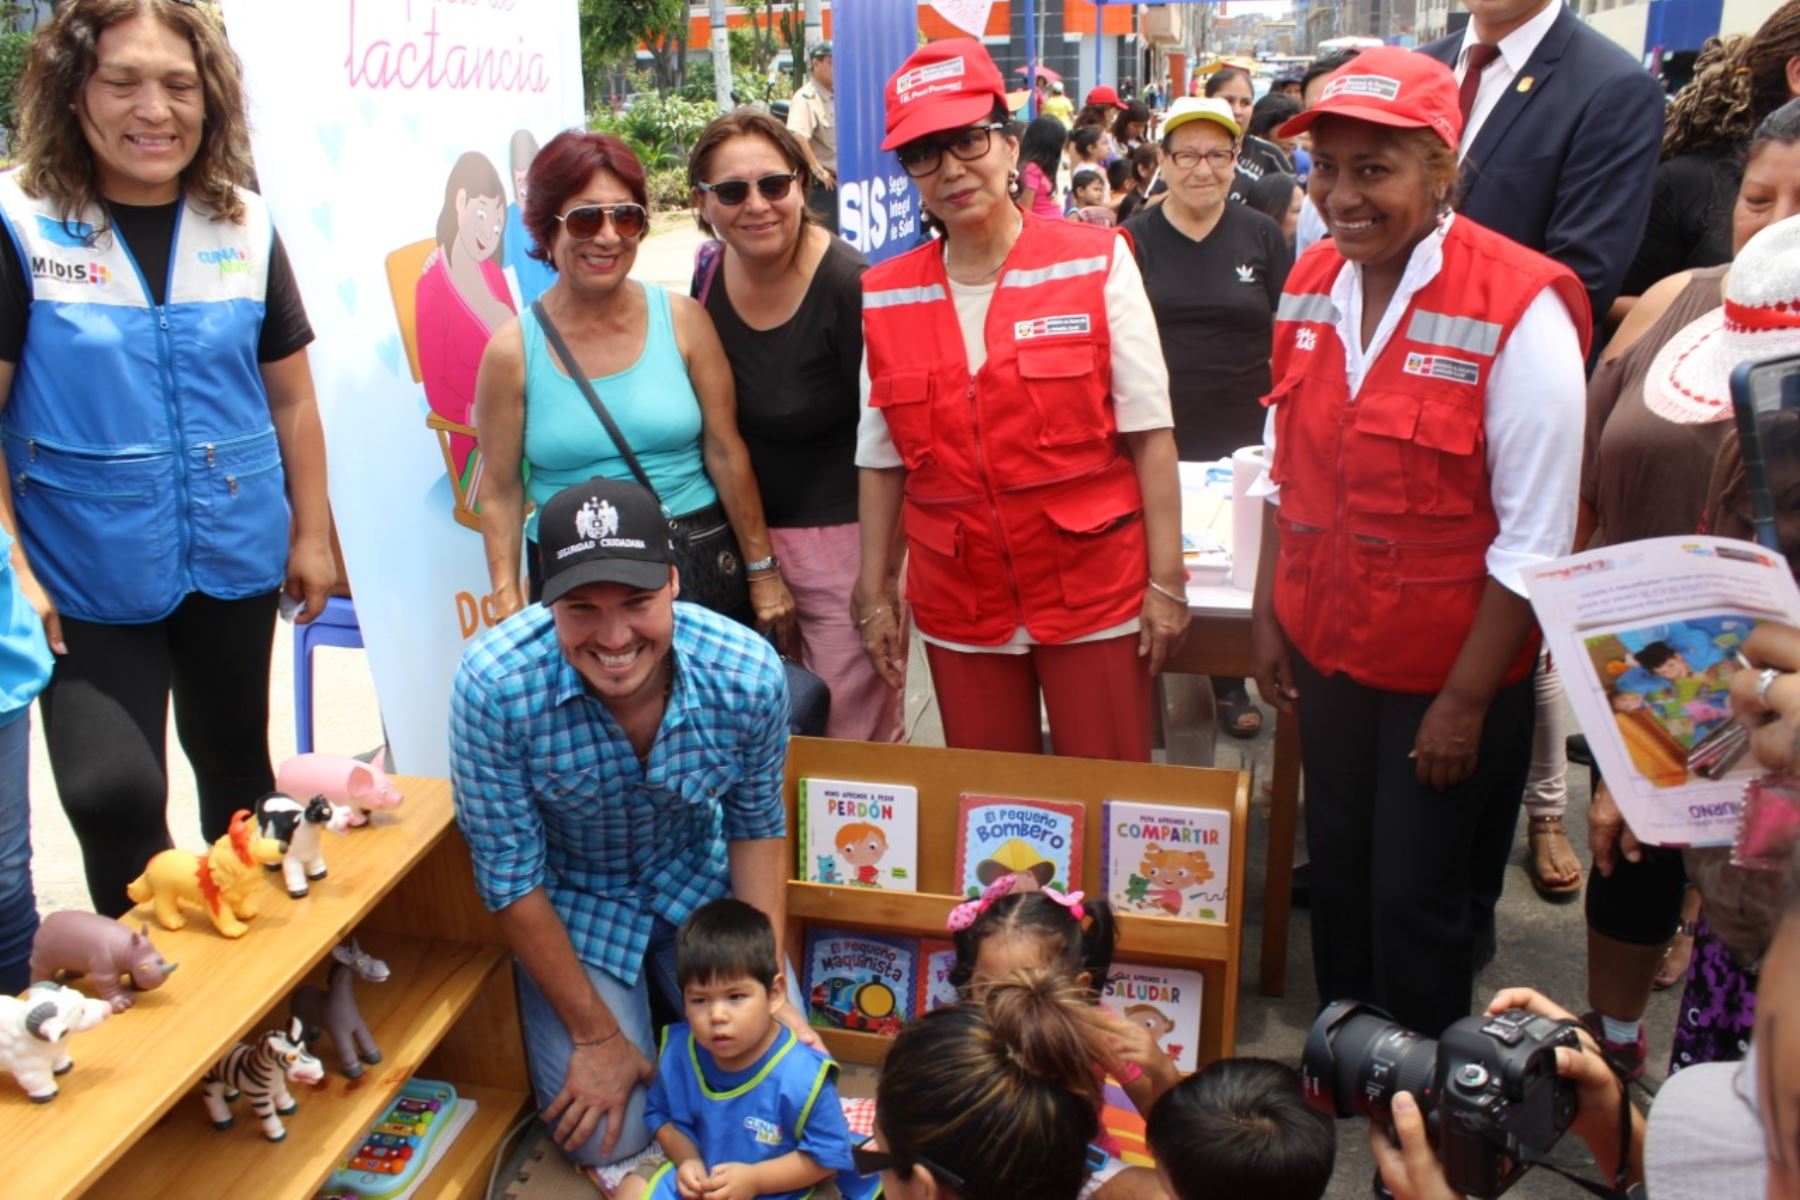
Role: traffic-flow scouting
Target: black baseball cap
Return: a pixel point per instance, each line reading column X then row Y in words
column 603, row 531
column 820, row 50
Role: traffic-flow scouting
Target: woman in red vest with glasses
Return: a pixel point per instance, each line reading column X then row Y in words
column 1425, row 443
column 1017, row 418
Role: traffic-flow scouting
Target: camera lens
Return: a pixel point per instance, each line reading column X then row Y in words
column 1356, row 1059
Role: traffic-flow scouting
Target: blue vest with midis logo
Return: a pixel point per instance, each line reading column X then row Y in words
column 139, row 447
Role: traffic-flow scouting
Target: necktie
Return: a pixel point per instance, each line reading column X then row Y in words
column 1480, row 55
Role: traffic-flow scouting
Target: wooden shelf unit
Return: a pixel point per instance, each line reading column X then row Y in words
column 942, row 776
column 129, row 1121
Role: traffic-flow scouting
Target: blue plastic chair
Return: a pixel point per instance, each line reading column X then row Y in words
column 336, row 626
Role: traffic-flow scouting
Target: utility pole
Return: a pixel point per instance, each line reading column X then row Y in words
column 815, row 28
column 721, row 56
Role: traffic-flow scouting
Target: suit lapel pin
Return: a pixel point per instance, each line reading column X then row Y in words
column 1525, row 84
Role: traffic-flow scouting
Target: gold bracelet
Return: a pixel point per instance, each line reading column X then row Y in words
column 600, row 1041
column 1166, row 594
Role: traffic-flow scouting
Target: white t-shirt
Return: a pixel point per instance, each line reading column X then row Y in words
column 1140, row 394
column 1535, row 413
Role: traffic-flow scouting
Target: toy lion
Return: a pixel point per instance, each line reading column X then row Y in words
column 219, row 881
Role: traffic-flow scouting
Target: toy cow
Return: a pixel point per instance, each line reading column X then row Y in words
column 34, row 1034
column 334, row 1010
column 260, row 1070
column 71, row 943
column 363, row 786
column 296, row 826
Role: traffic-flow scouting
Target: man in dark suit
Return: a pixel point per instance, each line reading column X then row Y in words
column 1562, row 132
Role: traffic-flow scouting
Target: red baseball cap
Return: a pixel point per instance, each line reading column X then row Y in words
column 950, row 84
column 1106, row 93
column 1389, row 86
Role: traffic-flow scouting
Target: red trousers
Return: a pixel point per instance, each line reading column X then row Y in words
column 1097, row 694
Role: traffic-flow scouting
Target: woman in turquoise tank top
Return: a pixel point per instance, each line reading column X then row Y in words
column 657, row 366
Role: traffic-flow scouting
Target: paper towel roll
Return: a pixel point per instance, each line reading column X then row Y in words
column 1246, row 517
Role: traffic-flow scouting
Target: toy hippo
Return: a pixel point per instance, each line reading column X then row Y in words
column 363, row 786
column 34, row 1034
column 71, row 943
column 296, row 827
column 333, row 1010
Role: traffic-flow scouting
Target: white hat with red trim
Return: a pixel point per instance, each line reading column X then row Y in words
column 1690, row 379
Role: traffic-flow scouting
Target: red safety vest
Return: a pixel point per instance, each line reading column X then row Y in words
column 1386, row 515
column 1020, row 509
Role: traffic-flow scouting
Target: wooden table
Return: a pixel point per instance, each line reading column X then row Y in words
column 1218, row 643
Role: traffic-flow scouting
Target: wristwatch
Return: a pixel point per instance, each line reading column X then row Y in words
column 770, row 563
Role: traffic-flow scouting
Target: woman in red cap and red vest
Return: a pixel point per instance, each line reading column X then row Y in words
column 1017, row 413
column 1425, row 451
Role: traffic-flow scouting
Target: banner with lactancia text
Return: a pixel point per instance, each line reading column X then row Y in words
column 391, row 140
column 878, row 208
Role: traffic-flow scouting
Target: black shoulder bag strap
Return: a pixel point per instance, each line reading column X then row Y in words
column 579, row 377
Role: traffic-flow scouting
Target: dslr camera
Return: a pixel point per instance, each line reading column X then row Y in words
column 1488, row 1089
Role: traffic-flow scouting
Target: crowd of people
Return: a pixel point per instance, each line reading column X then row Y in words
column 1448, row 292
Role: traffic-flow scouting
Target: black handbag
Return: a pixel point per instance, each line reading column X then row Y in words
column 704, row 547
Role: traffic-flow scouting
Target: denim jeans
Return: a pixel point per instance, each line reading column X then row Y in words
column 548, row 1044
column 18, row 902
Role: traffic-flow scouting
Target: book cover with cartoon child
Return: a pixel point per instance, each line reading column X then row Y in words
column 1165, row 860
column 936, row 961
column 1164, row 1000
column 859, row 834
column 862, row 981
column 1037, row 840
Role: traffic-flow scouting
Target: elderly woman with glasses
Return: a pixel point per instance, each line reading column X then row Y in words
column 653, row 361
column 785, row 294
column 1017, row 413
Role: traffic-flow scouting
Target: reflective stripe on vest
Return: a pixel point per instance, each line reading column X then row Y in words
column 1308, row 306
column 1459, row 333
column 1073, row 269
column 893, row 297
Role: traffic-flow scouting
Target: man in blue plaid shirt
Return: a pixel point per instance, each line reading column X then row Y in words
column 617, row 762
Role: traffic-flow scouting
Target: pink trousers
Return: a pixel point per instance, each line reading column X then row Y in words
column 819, row 564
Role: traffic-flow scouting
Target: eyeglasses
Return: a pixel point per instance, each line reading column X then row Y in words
column 733, row 192
column 873, row 1162
column 1218, row 160
column 921, row 158
column 584, row 223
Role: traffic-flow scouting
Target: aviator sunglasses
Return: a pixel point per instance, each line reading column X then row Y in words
column 733, row 192
column 584, row 223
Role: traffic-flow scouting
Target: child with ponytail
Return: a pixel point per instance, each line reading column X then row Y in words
column 1008, row 930
column 993, row 1098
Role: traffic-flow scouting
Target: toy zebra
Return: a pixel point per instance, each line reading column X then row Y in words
column 262, row 1071
column 297, row 827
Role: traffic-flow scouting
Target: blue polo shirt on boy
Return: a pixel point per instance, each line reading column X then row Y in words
column 785, row 1101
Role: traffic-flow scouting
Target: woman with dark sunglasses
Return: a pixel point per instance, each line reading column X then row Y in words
column 786, row 297
column 656, row 365
column 997, row 1097
column 1018, row 414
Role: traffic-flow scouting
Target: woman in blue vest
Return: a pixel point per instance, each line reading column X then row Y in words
column 161, row 443
column 1425, row 441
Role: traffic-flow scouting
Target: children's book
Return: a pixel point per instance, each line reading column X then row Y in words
column 868, row 982
column 1037, row 840
column 1164, row 860
column 1164, row 1000
column 860, row 834
column 935, row 962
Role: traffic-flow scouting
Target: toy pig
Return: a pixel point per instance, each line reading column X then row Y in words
column 34, row 1034
column 71, row 943
column 363, row 786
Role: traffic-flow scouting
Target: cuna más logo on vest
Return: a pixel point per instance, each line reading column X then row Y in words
column 44, row 267
column 229, row 259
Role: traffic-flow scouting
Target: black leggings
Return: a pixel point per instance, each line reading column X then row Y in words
column 1639, row 903
column 106, row 728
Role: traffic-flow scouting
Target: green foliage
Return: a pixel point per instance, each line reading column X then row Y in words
column 611, row 29
column 668, row 188
column 14, row 49
column 659, row 129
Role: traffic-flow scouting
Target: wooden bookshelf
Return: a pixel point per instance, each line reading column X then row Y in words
column 129, row 1121
column 942, row 776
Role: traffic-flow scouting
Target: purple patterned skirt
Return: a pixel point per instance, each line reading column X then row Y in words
column 1718, row 1006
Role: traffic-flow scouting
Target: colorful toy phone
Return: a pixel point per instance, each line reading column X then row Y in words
column 397, row 1146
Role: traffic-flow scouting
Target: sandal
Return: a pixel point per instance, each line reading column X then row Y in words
column 1548, row 843
column 1241, row 718
column 1675, row 961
